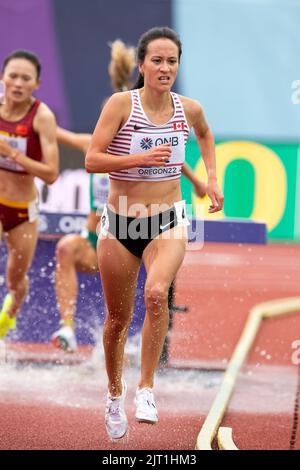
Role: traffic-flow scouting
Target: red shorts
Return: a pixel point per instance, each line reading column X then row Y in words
column 14, row 213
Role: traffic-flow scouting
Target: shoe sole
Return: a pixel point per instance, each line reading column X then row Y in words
column 60, row 343
column 118, row 439
column 144, row 420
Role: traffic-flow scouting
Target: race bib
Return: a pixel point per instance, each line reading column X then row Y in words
column 141, row 143
column 17, row 143
column 104, row 223
column 182, row 218
column 33, row 210
column 100, row 187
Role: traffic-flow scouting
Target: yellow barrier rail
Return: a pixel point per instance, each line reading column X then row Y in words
column 218, row 409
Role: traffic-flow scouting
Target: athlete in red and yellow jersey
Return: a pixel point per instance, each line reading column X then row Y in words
column 28, row 148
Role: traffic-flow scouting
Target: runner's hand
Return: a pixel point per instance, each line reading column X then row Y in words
column 216, row 196
column 6, row 150
column 157, row 156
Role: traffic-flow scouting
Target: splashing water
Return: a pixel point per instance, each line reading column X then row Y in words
column 85, row 385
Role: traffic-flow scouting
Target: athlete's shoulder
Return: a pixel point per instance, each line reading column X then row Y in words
column 192, row 108
column 44, row 112
column 117, row 108
column 44, row 119
column 190, row 104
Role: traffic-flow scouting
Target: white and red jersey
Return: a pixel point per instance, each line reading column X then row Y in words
column 139, row 135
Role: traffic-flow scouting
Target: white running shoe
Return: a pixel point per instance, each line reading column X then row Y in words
column 116, row 422
column 146, row 411
column 65, row 339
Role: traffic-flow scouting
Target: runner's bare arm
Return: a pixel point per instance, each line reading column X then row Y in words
column 206, row 144
column 80, row 141
column 48, row 170
column 200, row 187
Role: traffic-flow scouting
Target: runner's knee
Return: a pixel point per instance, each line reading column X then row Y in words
column 64, row 251
column 156, row 296
column 118, row 324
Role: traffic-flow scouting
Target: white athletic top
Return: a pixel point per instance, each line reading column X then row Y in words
column 139, row 135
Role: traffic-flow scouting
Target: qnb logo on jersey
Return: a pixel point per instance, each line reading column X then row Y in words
column 173, row 141
column 146, row 143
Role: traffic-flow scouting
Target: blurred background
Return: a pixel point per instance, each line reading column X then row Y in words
column 240, row 60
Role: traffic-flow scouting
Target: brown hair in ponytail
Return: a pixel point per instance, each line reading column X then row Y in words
column 121, row 65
